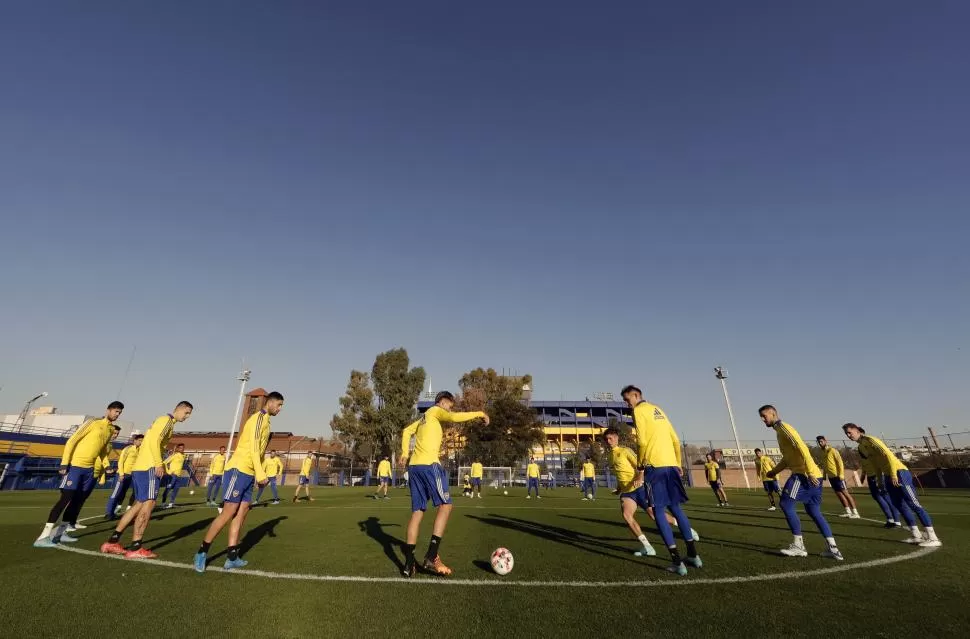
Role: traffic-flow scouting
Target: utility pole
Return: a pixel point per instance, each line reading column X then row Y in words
column 242, row 379
column 722, row 375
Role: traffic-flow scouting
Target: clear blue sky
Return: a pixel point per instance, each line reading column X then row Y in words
column 595, row 195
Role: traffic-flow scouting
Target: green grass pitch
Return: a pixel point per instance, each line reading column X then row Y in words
column 574, row 575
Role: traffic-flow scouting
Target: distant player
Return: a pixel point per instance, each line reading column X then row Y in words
column 126, row 463
column 173, row 469
column 835, row 471
column 428, row 480
column 243, row 471
column 303, row 481
column 477, row 473
column 466, row 488
column 383, row 477
column 589, row 480
column 899, row 484
column 532, row 478
column 804, row 485
column 145, row 477
column 273, row 468
column 713, row 471
column 216, row 468
column 763, row 464
column 660, row 466
column 88, row 443
column 876, row 483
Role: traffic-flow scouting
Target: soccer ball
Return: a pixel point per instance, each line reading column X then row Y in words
column 191, row 492
column 502, row 561
column 505, row 492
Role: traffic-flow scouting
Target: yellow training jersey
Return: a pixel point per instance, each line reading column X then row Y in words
column 305, row 468
column 218, row 465
column 589, row 471
column 764, row 464
column 532, row 470
column 477, row 470
column 273, row 466
column 156, row 439
column 885, row 460
column 175, row 463
column 384, row 468
column 657, row 442
column 868, row 467
column 101, row 465
column 795, row 454
column 89, row 442
column 126, row 461
column 623, row 461
column 834, row 467
column 712, row 468
column 427, row 434
column 253, row 438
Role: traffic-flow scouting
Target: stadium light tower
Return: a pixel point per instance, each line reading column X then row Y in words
column 722, row 375
column 23, row 414
column 242, row 379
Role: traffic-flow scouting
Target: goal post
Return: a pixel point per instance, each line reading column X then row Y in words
column 492, row 476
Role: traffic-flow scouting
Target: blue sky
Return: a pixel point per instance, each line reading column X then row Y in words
column 597, row 196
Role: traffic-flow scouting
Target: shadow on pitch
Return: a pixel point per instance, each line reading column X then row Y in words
column 181, row 533
column 375, row 530
column 96, row 529
column 253, row 536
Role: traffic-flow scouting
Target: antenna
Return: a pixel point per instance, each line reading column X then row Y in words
column 127, row 370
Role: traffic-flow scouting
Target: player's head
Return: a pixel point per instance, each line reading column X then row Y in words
column 113, row 411
column 272, row 453
column 445, row 400
column 757, row 452
column 853, row 431
column 612, row 436
column 821, row 441
column 137, row 439
column 709, row 456
column 387, row 458
column 274, row 403
column 179, row 448
column 309, row 454
column 222, row 450
column 631, row 395
column 769, row 414
column 183, row 410
column 116, row 430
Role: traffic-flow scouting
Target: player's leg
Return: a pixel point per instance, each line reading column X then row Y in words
column 812, row 499
column 721, row 494
column 259, row 493
column 73, row 510
column 789, row 498
column 882, row 500
column 176, row 486
column 276, row 495
column 911, row 501
column 235, row 529
column 420, row 494
column 441, row 499
column 143, row 515
column 628, row 509
column 113, row 498
column 65, row 497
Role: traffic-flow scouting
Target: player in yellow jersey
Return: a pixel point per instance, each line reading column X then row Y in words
column 273, row 468
column 383, row 477
column 712, row 471
column 660, row 467
column 244, row 470
column 804, row 485
column 216, row 468
column 899, row 484
column 145, row 477
column 589, row 480
column 126, row 463
column 762, row 465
column 304, row 479
column 89, row 442
column 428, row 480
column 532, row 478
column 174, row 465
column 477, row 473
column 466, row 487
column 877, row 489
column 835, row 471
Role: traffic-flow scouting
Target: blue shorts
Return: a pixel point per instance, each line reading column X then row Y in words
column 715, row 484
column 800, row 489
column 664, row 487
column 905, row 492
column 78, row 479
column 771, row 486
column 215, row 478
column 385, row 480
column 588, row 484
column 533, row 482
column 639, row 496
column 146, row 485
column 428, row 481
column 304, row 481
column 238, row 487
column 476, row 482
column 837, row 484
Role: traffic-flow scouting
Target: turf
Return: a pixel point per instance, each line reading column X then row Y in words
column 53, row 593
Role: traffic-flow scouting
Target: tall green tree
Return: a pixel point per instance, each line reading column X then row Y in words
column 396, row 388
column 508, row 438
column 356, row 424
column 480, row 386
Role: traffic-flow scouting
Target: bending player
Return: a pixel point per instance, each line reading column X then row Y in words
column 804, row 485
column 763, row 464
column 876, row 481
column 216, row 468
column 126, row 463
column 713, row 471
column 304, row 479
column 428, row 480
column 835, row 471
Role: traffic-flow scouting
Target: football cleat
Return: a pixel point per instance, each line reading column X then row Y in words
column 199, row 562
column 141, row 553
column 232, row 564
column 794, row 550
column 45, row 542
column 437, row 567
column 833, row 553
column 110, row 548
column 647, row 551
column 678, row 569
column 694, row 562
column 409, row 568
column 931, row 543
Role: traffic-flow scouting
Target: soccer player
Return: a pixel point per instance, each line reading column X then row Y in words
column 173, row 468
column 304, row 480
column 899, row 484
column 244, row 469
column 126, row 463
column 835, row 471
column 763, row 464
column 273, row 468
column 804, row 485
column 623, row 461
column 145, row 477
column 875, row 481
column 466, row 488
column 659, row 465
column 383, row 476
column 589, row 480
column 216, row 467
column 428, row 480
column 477, row 473
column 713, row 471
column 88, row 443
column 532, row 478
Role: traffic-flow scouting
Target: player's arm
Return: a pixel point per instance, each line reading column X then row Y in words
column 458, row 418
column 406, row 436
column 72, row 443
column 839, row 465
column 882, row 456
column 719, row 473
column 777, row 468
column 256, row 453
column 678, row 452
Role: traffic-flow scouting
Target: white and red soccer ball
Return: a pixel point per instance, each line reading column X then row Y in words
column 502, row 561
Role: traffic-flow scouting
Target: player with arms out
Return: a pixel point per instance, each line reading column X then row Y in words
column 304, row 479
column 763, row 464
column 428, row 480
column 126, row 463
column 477, row 473
column 383, row 477
column 660, row 466
column 216, row 468
column 713, row 471
column 835, row 471
column 532, row 478
column 899, row 484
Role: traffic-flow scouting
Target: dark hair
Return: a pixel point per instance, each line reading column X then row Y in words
column 180, row 444
column 710, row 456
column 222, row 447
column 138, row 436
column 758, row 450
column 443, row 395
column 856, row 426
column 766, row 407
column 612, row 430
column 116, row 427
column 630, row 388
column 186, row 404
column 278, row 396
column 117, row 405
column 818, row 437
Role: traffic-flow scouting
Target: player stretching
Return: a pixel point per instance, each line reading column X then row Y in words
column 532, row 478
column 273, row 468
column 899, row 484
column 876, row 481
column 89, row 442
column 384, row 477
column 145, row 477
column 804, row 485
column 244, row 470
column 713, row 471
column 659, row 463
column 126, row 463
column 477, row 472
column 173, row 468
column 304, row 480
column 763, row 464
column 216, row 467
column 589, row 480
column 428, row 480
column 835, row 471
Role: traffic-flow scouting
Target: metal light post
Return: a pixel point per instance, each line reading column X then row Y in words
column 23, row 414
column 722, row 375
column 242, row 379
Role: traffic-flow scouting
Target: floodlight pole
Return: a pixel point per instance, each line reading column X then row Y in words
column 242, row 379
column 722, row 374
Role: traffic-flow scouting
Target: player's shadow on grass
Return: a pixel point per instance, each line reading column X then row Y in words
column 181, row 533
column 807, row 523
column 375, row 530
column 96, row 529
column 253, row 536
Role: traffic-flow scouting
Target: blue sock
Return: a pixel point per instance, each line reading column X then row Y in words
column 815, row 512
column 788, row 507
column 682, row 522
column 666, row 532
